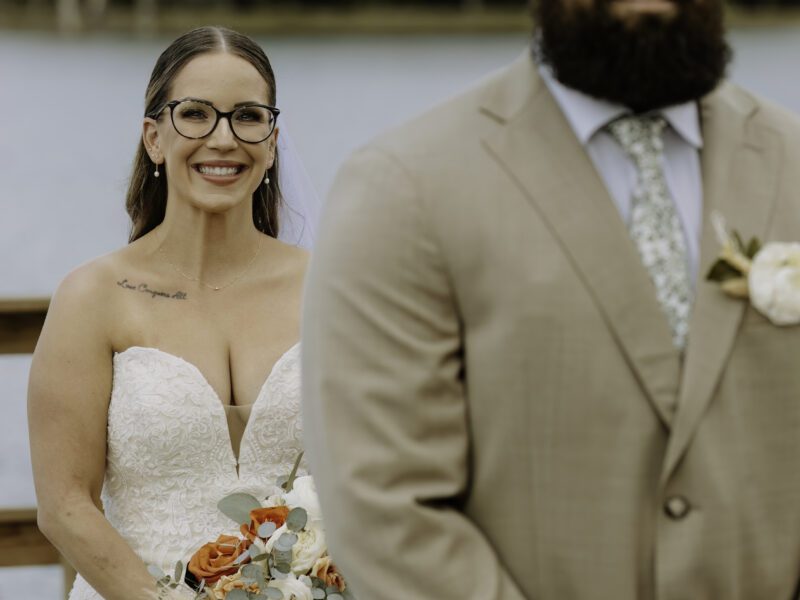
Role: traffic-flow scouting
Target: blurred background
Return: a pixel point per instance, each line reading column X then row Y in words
column 72, row 80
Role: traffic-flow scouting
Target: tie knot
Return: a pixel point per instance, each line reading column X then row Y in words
column 640, row 136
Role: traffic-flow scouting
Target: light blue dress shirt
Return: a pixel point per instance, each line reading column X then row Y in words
column 683, row 141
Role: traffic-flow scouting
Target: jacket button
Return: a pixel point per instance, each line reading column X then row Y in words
column 677, row 507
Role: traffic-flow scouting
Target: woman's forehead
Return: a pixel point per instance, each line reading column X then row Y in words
column 220, row 77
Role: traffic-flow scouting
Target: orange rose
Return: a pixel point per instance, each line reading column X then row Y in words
column 259, row 516
column 216, row 559
column 324, row 569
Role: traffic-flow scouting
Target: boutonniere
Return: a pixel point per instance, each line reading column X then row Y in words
column 768, row 274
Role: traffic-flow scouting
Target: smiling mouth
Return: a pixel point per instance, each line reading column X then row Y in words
column 219, row 171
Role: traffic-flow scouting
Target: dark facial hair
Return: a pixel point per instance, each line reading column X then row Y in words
column 644, row 64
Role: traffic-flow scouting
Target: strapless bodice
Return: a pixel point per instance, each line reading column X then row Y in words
column 170, row 459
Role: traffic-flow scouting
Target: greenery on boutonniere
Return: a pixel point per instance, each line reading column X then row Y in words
column 732, row 267
column 767, row 275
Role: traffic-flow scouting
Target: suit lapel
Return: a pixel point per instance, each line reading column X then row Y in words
column 537, row 148
column 739, row 163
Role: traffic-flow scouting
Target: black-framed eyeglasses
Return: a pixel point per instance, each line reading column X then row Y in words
column 195, row 119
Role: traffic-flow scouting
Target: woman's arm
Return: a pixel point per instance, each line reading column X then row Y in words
column 68, row 396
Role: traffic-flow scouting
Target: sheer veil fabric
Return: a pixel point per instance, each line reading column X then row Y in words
column 301, row 206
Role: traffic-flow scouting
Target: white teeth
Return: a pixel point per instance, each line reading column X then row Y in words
column 219, row 171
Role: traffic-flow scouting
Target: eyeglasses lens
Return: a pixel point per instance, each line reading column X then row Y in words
column 249, row 123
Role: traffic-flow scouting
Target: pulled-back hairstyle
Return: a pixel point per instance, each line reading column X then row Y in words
column 146, row 201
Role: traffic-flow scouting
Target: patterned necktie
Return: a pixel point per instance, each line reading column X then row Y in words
column 654, row 225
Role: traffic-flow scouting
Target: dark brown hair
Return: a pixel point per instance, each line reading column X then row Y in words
column 146, row 201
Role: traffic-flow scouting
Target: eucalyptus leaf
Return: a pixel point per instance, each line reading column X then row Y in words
column 253, row 572
column 297, row 519
column 178, row 571
column 331, row 589
column 286, row 542
column 336, row 596
column 156, row 571
column 236, row 595
column 281, row 569
column 259, row 597
column 318, row 593
column 273, row 593
column 282, row 556
column 241, row 558
column 238, row 507
column 265, row 530
column 253, row 551
column 305, row 580
column 317, row 582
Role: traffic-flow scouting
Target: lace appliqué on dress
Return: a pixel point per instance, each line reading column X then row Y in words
column 169, row 457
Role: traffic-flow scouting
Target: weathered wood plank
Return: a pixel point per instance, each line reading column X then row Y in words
column 21, row 542
column 23, row 305
column 21, row 321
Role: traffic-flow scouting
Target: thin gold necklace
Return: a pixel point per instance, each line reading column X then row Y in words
column 215, row 288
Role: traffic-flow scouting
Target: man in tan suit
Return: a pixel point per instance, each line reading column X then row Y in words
column 518, row 383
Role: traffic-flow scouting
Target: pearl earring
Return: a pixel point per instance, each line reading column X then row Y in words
column 266, row 178
column 156, row 173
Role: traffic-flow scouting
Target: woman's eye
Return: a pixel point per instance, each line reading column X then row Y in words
column 250, row 116
column 193, row 114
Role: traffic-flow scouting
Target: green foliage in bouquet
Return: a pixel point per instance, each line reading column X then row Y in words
column 267, row 560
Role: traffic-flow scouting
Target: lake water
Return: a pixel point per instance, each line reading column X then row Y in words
column 70, row 122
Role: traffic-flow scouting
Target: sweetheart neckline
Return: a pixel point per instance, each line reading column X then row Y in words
column 219, row 405
column 203, row 378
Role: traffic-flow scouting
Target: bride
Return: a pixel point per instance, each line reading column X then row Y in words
column 167, row 375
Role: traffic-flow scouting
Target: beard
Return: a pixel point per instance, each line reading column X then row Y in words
column 645, row 63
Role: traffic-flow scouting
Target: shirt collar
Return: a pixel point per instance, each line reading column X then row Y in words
column 587, row 115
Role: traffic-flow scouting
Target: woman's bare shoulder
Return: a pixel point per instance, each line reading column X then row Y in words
column 292, row 259
column 89, row 286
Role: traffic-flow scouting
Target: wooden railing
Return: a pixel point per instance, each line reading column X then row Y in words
column 21, row 322
column 21, row 542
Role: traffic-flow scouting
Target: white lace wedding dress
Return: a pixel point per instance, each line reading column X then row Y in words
column 170, row 458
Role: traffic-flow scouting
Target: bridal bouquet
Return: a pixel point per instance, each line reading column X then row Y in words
column 280, row 553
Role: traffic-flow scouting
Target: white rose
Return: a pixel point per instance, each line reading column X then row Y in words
column 304, row 495
column 309, row 548
column 292, row 588
column 774, row 282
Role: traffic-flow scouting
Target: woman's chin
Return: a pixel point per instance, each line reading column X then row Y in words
column 218, row 203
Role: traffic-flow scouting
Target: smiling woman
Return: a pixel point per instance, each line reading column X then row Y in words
column 158, row 388
column 193, row 65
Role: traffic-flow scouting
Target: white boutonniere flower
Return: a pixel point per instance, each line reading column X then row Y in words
column 769, row 274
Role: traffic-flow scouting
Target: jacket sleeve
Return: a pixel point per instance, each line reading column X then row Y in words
column 384, row 400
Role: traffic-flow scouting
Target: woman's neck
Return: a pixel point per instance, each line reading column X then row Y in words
column 210, row 248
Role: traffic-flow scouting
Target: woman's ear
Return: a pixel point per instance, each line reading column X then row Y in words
column 272, row 144
column 151, row 141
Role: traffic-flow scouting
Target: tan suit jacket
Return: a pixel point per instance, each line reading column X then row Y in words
column 494, row 407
